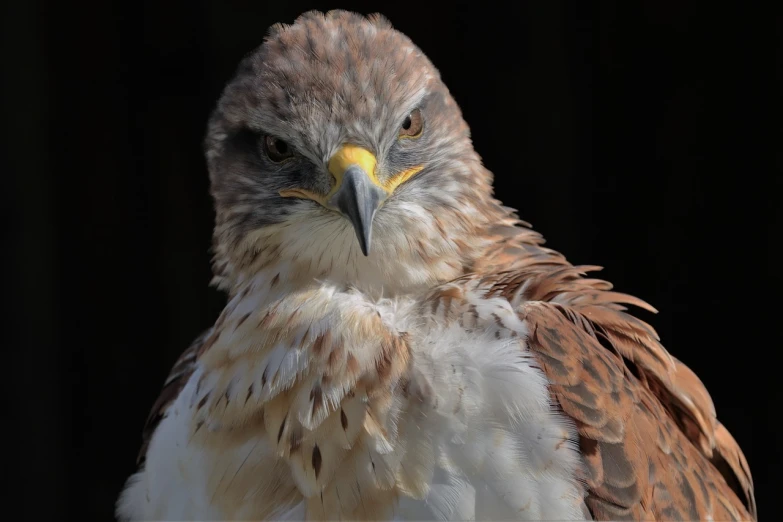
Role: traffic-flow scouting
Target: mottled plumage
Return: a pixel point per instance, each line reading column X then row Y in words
column 396, row 343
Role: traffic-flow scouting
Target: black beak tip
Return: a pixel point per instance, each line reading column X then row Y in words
column 364, row 235
column 365, row 246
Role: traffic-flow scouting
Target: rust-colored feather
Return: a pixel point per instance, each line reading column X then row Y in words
column 651, row 442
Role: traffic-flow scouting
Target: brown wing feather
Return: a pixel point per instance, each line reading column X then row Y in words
column 648, row 429
column 175, row 381
column 728, row 457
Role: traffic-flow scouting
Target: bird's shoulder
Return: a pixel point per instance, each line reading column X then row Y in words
column 178, row 376
column 647, row 425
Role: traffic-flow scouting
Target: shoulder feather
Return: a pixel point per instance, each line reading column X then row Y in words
column 635, row 404
column 176, row 380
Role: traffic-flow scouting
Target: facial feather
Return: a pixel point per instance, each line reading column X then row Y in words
column 326, row 81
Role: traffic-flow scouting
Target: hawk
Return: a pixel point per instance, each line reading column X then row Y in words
column 396, row 343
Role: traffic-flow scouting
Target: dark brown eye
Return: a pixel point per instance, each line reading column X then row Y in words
column 412, row 125
column 277, row 150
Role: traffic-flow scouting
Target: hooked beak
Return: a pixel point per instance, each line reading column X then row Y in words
column 357, row 192
column 358, row 198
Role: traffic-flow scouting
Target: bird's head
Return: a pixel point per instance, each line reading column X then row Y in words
column 337, row 152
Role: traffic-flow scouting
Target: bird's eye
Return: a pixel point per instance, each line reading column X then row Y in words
column 412, row 125
column 277, row 150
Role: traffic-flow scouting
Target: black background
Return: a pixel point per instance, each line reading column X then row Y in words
column 640, row 136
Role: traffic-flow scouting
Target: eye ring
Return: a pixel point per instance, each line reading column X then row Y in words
column 412, row 126
column 277, row 150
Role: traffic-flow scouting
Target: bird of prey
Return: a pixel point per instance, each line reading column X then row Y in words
column 397, row 344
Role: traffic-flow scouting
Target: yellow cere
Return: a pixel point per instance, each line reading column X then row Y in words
column 347, row 156
column 353, row 155
column 401, row 177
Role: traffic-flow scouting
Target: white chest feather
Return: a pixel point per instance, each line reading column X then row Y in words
column 467, row 433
